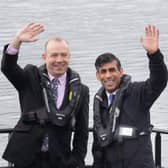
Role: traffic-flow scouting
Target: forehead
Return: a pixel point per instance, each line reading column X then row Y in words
column 57, row 45
column 112, row 64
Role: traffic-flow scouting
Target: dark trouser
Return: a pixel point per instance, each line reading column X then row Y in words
column 132, row 163
column 42, row 161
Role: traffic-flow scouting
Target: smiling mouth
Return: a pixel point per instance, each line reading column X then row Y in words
column 58, row 66
column 109, row 82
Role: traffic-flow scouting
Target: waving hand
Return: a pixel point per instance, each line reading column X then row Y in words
column 27, row 34
column 150, row 41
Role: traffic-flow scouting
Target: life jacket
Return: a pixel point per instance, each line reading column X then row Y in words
column 107, row 134
column 62, row 117
column 49, row 112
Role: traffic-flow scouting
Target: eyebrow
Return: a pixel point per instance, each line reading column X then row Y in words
column 109, row 69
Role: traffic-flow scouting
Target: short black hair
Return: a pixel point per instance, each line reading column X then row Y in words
column 57, row 39
column 106, row 58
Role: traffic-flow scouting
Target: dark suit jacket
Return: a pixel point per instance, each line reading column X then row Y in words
column 26, row 140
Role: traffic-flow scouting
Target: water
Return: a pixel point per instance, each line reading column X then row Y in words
column 91, row 27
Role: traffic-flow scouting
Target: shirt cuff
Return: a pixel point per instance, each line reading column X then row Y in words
column 11, row 50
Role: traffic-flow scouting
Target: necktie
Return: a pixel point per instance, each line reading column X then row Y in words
column 45, row 147
column 111, row 98
column 54, row 88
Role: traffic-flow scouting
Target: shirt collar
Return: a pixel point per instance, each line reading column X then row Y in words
column 61, row 79
column 108, row 93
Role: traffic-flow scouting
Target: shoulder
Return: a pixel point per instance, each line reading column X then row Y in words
column 30, row 67
column 31, row 70
column 84, row 88
column 84, row 93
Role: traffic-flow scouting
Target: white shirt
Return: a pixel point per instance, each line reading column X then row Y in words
column 108, row 96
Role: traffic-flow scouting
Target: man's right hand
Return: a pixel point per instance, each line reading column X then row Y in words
column 27, row 34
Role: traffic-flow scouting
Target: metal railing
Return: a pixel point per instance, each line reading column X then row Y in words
column 158, row 146
column 157, row 142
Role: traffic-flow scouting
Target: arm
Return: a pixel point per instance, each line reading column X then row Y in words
column 9, row 64
column 158, row 70
column 81, row 128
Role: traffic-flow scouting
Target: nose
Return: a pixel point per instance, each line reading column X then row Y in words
column 59, row 58
column 108, row 74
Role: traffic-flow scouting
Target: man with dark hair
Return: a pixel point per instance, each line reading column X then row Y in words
column 53, row 101
column 121, row 109
column 106, row 58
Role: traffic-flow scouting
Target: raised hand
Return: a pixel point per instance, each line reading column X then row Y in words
column 150, row 41
column 27, row 34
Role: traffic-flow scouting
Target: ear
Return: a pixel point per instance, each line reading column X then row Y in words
column 97, row 75
column 43, row 56
column 121, row 72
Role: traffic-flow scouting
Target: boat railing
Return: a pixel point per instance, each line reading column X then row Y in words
column 157, row 144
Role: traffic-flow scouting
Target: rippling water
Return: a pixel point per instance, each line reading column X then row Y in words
column 91, row 27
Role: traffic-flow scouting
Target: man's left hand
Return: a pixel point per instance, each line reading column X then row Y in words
column 150, row 41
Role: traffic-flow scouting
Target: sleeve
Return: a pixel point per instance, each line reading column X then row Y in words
column 81, row 128
column 11, row 69
column 157, row 81
column 11, row 50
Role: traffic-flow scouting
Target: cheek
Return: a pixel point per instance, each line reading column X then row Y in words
column 118, row 81
column 51, row 61
column 100, row 77
column 67, row 61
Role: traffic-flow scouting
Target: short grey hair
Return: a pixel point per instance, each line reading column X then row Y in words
column 58, row 39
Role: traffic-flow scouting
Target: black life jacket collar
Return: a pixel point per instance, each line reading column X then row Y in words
column 105, row 134
column 63, row 116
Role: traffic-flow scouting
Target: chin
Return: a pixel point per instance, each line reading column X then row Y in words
column 111, row 89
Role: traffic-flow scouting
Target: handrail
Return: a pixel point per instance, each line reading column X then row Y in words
column 154, row 130
column 158, row 130
column 6, row 130
column 158, row 145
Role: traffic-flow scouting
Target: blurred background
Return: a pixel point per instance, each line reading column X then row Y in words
column 91, row 27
